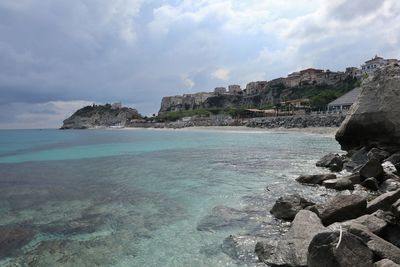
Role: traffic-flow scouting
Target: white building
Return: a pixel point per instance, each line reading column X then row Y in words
column 234, row 89
column 373, row 64
column 220, row 90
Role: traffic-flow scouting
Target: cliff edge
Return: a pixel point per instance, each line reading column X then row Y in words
column 100, row 116
column 374, row 118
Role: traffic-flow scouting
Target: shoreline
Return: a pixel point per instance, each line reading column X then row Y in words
column 329, row 131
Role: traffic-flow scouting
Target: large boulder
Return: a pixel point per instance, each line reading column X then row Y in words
column 288, row 206
column 291, row 250
column 315, row 178
column 375, row 116
column 325, row 250
column 342, row 183
column 343, row 208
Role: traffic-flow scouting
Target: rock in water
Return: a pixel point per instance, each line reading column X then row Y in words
column 288, row 206
column 375, row 116
column 13, row 238
column 100, row 116
column 291, row 250
column 351, row 252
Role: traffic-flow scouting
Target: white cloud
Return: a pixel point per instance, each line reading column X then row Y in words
column 221, row 74
column 187, row 82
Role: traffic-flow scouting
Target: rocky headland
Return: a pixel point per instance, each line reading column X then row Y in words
column 361, row 227
column 101, row 116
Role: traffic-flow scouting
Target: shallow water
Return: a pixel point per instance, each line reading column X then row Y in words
column 144, row 197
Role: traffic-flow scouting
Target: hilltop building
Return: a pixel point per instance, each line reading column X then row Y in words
column 370, row 66
column 220, row 90
column 234, row 89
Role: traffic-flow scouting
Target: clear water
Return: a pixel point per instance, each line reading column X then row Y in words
column 144, row 197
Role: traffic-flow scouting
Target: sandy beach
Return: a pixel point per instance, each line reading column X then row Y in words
column 328, row 131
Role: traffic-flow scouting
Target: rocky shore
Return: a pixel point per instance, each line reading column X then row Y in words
column 287, row 122
column 357, row 229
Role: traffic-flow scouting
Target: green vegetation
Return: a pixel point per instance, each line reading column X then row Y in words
column 321, row 95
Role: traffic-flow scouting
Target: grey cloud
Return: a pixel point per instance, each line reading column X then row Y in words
column 354, row 9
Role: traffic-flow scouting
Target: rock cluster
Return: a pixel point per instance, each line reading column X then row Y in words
column 361, row 228
column 333, row 120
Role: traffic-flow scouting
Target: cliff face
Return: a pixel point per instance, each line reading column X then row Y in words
column 100, row 116
column 375, row 117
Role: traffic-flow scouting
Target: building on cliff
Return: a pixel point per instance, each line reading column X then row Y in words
column 370, row 66
column 234, row 89
column 220, row 90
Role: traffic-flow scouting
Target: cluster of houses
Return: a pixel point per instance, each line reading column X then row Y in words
column 310, row 76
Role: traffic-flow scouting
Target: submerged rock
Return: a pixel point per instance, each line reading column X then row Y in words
column 288, row 206
column 13, row 238
column 222, row 217
column 241, row 248
column 351, row 252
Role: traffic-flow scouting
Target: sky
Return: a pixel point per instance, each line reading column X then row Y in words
column 57, row 56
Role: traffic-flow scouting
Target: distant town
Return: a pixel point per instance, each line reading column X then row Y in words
column 280, row 91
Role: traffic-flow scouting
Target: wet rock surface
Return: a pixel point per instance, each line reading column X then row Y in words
column 288, row 206
column 291, row 249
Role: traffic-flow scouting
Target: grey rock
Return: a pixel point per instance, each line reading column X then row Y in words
column 385, row 263
column 378, row 153
column 391, row 233
column 371, row 183
column 373, row 223
column 394, row 158
column 389, row 185
column 288, row 206
column 396, row 208
column 383, row 202
column 342, row 183
column 241, row 248
column 352, row 251
column 291, row 250
column 372, row 168
column 332, row 161
column 343, row 208
column 315, row 179
column 374, row 117
column 381, row 248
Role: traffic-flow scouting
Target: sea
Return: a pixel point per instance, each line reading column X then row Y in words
column 146, row 197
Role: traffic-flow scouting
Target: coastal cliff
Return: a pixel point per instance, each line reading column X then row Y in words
column 101, row 116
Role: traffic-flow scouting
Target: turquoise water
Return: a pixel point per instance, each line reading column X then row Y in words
column 144, row 197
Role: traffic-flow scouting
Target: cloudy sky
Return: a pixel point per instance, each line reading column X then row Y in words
column 57, row 55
